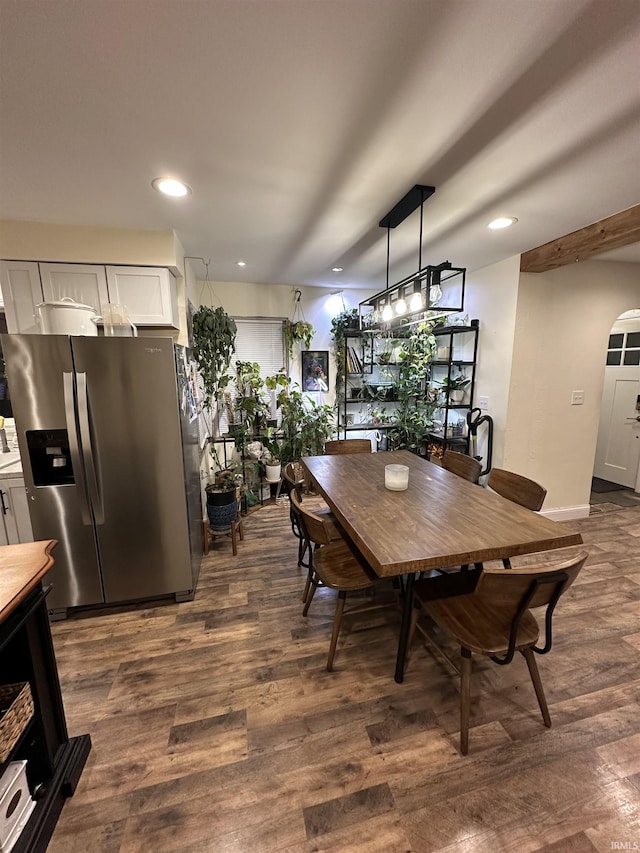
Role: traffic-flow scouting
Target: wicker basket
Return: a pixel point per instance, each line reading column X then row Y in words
column 16, row 708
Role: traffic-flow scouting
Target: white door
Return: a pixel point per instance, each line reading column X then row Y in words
column 618, row 447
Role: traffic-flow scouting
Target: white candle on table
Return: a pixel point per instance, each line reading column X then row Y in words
column 396, row 477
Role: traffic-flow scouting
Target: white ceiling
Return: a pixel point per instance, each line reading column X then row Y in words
column 300, row 123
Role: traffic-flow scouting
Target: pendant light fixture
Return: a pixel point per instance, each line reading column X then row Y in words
column 430, row 291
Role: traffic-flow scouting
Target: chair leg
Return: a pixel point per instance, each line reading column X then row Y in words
column 537, row 684
column 337, row 621
column 307, row 585
column 465, row 700
column 312, row 592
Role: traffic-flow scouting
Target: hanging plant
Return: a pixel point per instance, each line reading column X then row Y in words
column 297, row 330
column 295, row 333
column 214, row 338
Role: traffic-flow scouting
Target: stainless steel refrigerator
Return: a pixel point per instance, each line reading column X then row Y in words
column 111, row 464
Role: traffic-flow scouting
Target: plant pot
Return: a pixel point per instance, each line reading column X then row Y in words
column 273, row 473
column 457, row 395
column 222, row 509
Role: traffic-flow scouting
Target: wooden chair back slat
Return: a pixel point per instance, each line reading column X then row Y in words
column 347, row 445
column 464, row 466
column 314, row 526
column 507, row 588
column 516, row 488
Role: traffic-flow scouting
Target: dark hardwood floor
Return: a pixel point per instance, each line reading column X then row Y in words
column 216, row 727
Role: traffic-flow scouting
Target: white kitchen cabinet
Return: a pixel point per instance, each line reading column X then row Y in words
column 21, row 292
column 84, row 283
column 15, row 525
column 148, row 292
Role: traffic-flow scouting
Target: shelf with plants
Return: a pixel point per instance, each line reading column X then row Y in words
column 368, row 395
column 453, row 375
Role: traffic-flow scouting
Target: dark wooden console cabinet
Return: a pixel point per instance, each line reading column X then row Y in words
column 54, row 761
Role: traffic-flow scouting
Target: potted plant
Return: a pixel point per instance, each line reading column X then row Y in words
column 296, row 332
column 340, row 324
column 250, row 407
column 222, row 498
column 271, row 456
column 455, row 387
column 214, row 337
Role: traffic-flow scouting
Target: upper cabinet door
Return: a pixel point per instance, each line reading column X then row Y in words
column 22, row 292
column 149, row 293
column 86, row 284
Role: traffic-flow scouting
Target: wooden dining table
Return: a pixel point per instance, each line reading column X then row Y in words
column 439, row 521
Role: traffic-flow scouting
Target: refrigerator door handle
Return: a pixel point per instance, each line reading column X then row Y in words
column 86, row 446
column 74, row 447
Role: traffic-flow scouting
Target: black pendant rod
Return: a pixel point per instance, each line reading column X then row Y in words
column 388, row 255
column 420, row 243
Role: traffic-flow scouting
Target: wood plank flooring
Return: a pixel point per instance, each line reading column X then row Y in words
column 216, row 728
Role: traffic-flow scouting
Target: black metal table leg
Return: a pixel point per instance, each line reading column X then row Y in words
column 404, row 627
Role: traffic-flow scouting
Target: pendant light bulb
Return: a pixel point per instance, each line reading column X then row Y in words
column 387, row 313
column 416, row 301
column 401, row 306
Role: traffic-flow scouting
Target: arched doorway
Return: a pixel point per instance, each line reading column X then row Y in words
column 617, row 457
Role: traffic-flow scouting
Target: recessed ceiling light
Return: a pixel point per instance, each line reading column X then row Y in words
column 169, row 186
column 502, row 222
column 337, row 269
column 241, row 263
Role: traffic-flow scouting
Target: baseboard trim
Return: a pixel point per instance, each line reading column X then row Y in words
column 567, row 513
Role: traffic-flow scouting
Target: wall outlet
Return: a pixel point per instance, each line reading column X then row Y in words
column 577, row 398
column 483, row 402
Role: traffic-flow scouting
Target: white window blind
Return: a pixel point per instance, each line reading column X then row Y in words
column 260, row 340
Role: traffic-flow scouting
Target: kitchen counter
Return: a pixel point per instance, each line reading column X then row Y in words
column 10, row 465
column 22, row 567
column 54, row 761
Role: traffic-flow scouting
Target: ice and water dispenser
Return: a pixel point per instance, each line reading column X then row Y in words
column 50, row 457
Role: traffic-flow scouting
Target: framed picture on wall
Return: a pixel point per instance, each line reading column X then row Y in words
column 315, row 370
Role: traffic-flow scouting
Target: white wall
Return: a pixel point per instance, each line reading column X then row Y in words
column 89, row 244
column 491, row 297
column 563, row 321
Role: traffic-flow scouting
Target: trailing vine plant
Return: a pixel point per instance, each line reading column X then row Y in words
column 297, row 330
column 214, row 338
column 413, row 418
column 347, row 319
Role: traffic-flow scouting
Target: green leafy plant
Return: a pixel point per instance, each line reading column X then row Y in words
column 296, row 332
column 214, row 337
column 306, row 425
column 455, row 383
column 412, row 421
column 340, row 324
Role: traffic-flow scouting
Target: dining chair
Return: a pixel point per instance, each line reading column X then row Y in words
column 521, row 490
column 496, row 621
column 336, row 565
column 347, row 445
column 294, row 476
column 464, row 466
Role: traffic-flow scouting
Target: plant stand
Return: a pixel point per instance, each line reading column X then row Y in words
column 209, row 534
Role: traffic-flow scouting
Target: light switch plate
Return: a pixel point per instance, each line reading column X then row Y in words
column 577, row 398
column 483, row 402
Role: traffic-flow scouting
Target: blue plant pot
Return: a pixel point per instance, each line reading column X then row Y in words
column 222, row 509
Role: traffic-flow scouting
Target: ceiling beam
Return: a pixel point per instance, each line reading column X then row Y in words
column 618, row 230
